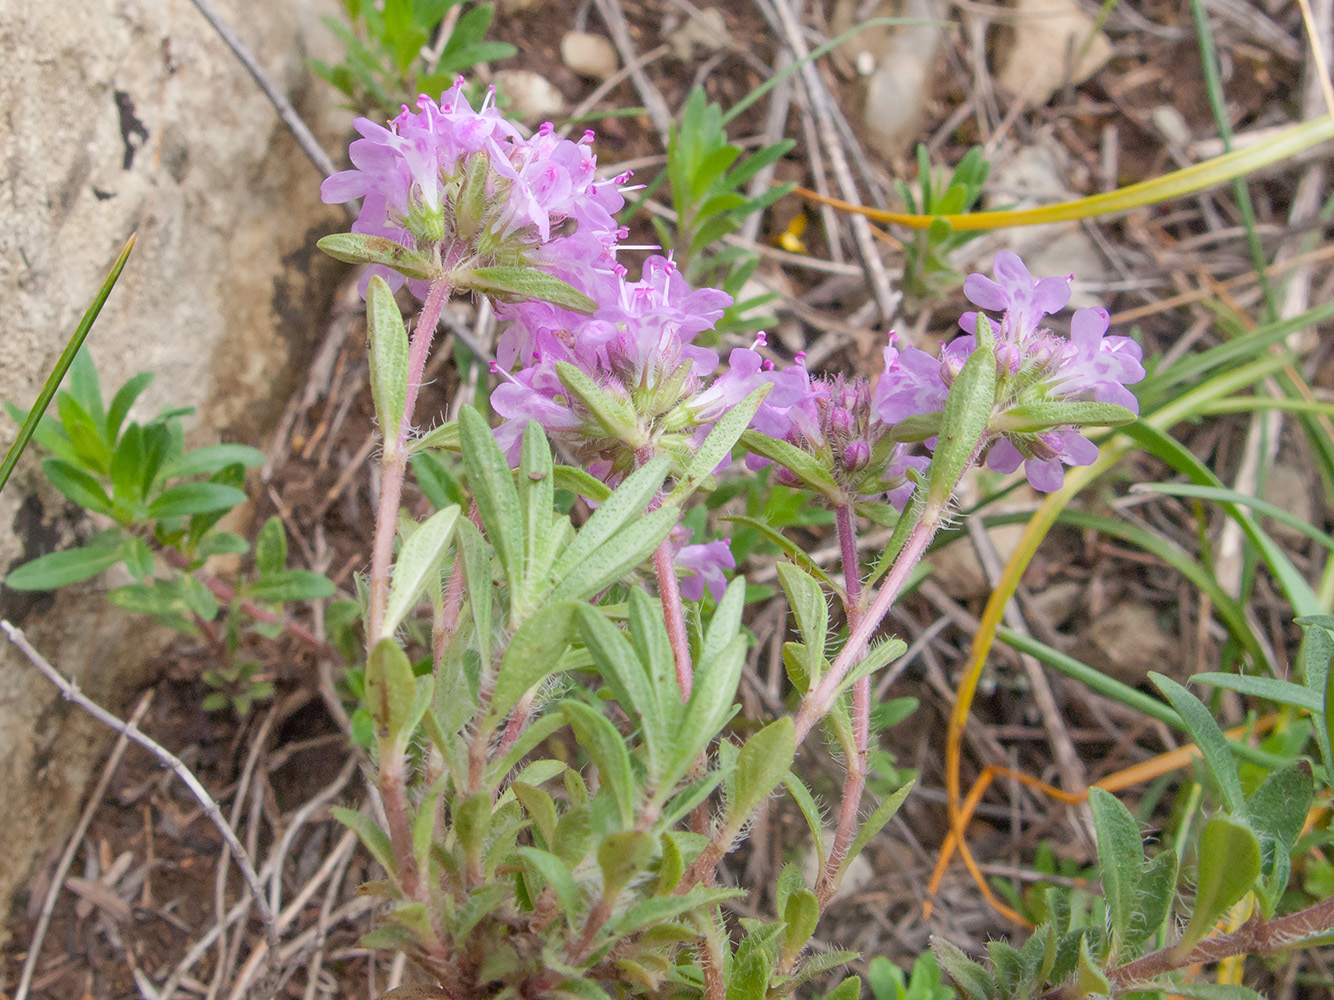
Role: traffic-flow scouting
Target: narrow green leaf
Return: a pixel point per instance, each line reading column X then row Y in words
column 964, row 424
column 375, row 839
column 1209, row 737
column 763, row 762
column 627, row 678
column 52, row 383
column 580, row 483
column 356, row 248
column 626, row 503
column 802, row 464
column 516, row 284
column 496, row 495
column 1229, row 864
column 291, row 585
column 718, row 445
column 77, row 485
column 616, row 416
column 58, row 569
column 555, row 874
column 271, row 547
column 1034, row 417
column 388, row 358
column 606, row 747
column 1157, row 889
column 1120, row 858
column 808, row 605
column 418, row 560
column 123, row 400
column 611, row 561
column 1270, row 688
column 662, row 909
column 874, row 824
column 532, row 655
column 186, row 499
column 445, row 438
column 812, row 813
column 391, row 689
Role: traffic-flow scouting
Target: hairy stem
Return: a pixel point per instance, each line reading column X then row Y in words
column 669, row 587
column 854, row 783
column 394, row 462
column 1261, row 938
column 817, row 701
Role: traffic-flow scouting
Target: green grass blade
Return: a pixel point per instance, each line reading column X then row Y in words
column 1290, row 581
column 1233, row 496
column 66, row 359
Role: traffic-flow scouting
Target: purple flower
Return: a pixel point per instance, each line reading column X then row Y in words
column 637, row 349
column 1098, row 367
column 703, row 566
column 1043, row 456
column 410, row 174
column 911, row 384
column 1023, row 300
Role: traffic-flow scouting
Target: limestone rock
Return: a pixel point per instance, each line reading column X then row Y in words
column 1053, row 43
column 533, row 98
column 123, row 116
column 589, row 55
column 1126, row 643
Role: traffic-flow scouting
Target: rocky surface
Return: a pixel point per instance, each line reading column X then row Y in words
column 116, row 117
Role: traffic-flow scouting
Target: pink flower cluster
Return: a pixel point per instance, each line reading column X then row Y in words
column 410, row 176
column 1034, row 365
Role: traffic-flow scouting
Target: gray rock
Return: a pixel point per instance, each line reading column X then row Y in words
column 121, row 116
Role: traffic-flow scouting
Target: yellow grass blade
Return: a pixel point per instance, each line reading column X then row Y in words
column 1196, row 177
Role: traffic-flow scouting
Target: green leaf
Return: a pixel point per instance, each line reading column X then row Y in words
column 85, row 388
column 1120, row 857
column 478, row 583
column 879, row 656
column 582, row 484
column 536, row 498
column 532, row 655
column 1229, row 864
column 375, row 839
column 496, row 495
column 630, row 683
column 291, row 585
column 801, row 914
column 716, row 448
column 388, row 355
column 662, row 909
column 1034, row 417
column 127, row 467
column 616, row 416
column 808, row 605
column 622, row 855
column 1157, row 888
column 626, row 503
column 123, row 400
column 139, row 558
column 210, row 459
column 77, row 485
column 802, row 464
column 517, row 284
column 445, row 438
column 1277, row 810
column 971, row 979
column 391, row 689
column 874, row 824
column 967, row 412
column 1270, row 688
column 763, row 762
column 52, row 383
column 59, row 569
column 418, row 561
column 186, row 499
column 810, row 810
column 540, row 807
column 606, row 748
column 271, row 547
column 555, row 874
column 624, row 552
column 1209, row 737
column 355, row 248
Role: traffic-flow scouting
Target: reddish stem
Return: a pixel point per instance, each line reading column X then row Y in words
column 669, row 587
column 854, row 783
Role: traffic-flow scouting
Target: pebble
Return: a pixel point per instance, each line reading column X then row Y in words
column 533, row 98
column 589, row 55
